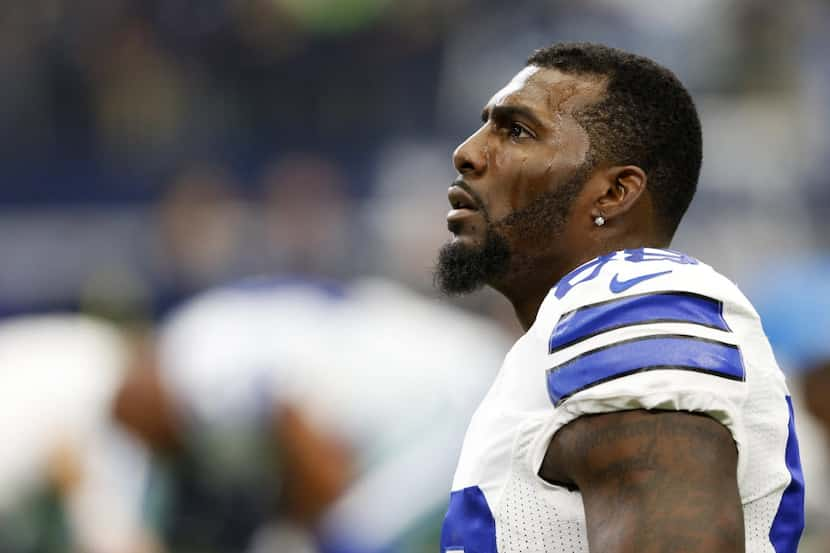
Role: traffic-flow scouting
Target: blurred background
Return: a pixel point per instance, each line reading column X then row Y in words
column 155, row 151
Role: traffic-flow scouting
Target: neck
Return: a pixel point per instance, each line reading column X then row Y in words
column 529, row 282
column 527, row 308
column 528, row 285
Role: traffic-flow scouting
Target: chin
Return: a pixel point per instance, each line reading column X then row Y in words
column 466, row 264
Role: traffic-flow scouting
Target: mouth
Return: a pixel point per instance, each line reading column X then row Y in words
column 462, row 204
column 461, row 199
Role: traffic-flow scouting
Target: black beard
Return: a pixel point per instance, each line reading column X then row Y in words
column 463, row 269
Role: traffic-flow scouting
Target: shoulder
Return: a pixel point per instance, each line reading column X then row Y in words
column 661, row 281
column 632, row 272
column 619, row 318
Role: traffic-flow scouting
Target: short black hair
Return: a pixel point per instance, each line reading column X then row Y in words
column 647, row 118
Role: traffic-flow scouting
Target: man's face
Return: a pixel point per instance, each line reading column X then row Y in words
column 520, row 174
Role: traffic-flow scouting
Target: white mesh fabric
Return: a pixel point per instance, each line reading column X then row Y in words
column 530, row 521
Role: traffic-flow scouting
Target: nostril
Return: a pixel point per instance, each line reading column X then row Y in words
column 466, row 167
column 464, row 163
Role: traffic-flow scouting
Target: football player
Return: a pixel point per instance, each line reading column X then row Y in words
column 307, row 416
column 643, row 409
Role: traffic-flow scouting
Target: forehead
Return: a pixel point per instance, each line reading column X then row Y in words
column 549, row 92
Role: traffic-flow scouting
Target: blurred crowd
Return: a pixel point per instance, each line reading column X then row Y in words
column 157, row 146
column 157, row 154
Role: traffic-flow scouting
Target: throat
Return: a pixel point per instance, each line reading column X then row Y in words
column 526, row 290
column 527, row 309
column 529, row 281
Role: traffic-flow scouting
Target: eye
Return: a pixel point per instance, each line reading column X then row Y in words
column 517, row 130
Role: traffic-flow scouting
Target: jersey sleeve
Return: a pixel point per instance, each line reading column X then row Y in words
column 656, row 331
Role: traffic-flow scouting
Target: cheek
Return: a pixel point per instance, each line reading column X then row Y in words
column 506, row 167
column 535, row 175
column 522, row 177
column 524, row 174
column 550, row 165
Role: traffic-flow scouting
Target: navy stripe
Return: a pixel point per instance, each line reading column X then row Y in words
column 689, row 353
column 789, row 520
column 663, row 307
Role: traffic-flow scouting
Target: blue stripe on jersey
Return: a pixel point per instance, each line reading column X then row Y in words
column 689, row 353
column 663, row 307
column 789, row 520
column 469, row 525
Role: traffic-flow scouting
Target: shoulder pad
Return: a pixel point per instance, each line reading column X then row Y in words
column 632, row 272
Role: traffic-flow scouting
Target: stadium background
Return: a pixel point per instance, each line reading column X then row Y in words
column 152, row 149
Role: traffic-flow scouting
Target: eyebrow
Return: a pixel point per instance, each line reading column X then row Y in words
column 501, row 113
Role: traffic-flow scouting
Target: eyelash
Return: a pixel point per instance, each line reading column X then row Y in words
column 509, row 126
column 513, row 126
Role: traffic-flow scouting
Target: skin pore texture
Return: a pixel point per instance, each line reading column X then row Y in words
column 523, row 216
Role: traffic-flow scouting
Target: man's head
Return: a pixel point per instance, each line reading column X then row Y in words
column 582, row 131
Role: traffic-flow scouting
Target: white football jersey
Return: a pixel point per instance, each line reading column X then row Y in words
column 634, row 329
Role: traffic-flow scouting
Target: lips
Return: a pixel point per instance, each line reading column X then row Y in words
column 463, row 206
column 461, row 199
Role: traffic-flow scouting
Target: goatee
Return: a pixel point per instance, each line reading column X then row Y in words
column 462, row 269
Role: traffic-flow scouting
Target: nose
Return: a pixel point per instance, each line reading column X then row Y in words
column 470, row 157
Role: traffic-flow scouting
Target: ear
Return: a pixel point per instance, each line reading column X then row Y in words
column 620, row 188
